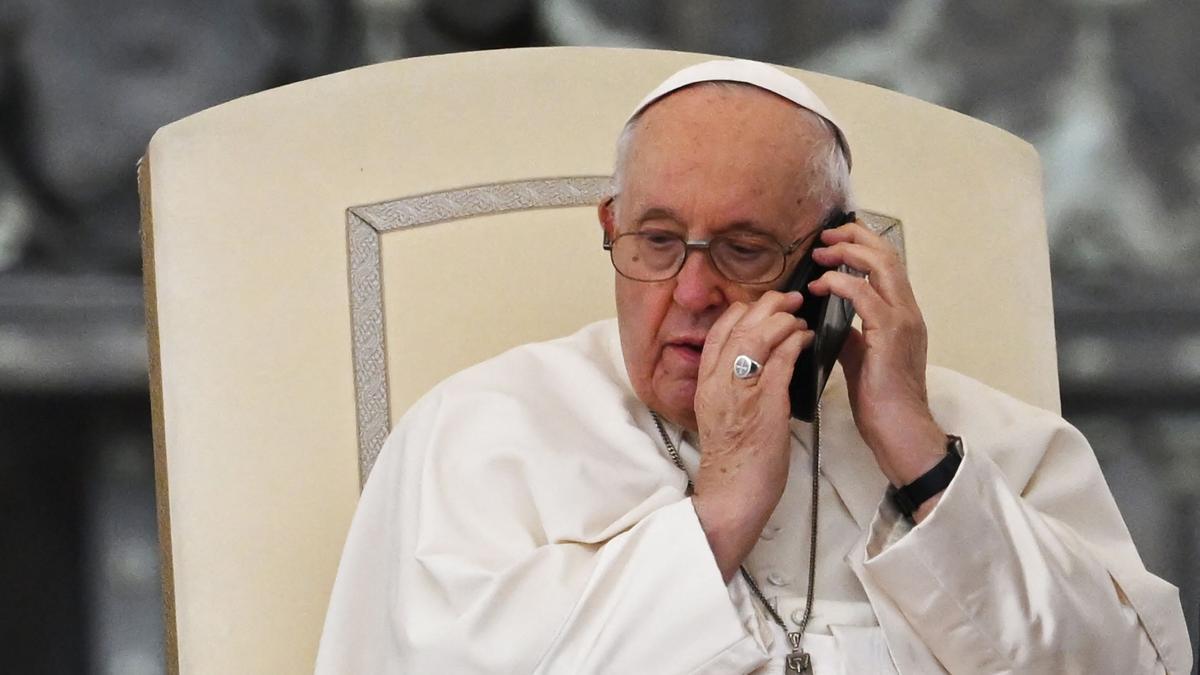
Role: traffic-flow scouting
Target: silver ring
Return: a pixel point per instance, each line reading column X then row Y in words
column 745, row 367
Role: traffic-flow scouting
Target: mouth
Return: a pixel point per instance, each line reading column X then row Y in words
column 688, row 347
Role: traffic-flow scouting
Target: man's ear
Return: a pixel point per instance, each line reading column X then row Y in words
column 607, row 221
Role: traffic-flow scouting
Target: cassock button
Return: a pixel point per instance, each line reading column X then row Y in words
column 777, row 579
column 797, row 616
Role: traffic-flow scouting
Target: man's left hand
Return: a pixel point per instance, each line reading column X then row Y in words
column 884, row 363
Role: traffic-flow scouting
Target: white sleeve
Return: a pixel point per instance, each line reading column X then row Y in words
column 477, row 556
column 649, row 605
column 1039, row 579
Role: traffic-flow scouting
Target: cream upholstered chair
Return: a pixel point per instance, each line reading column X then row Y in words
column 317, row 256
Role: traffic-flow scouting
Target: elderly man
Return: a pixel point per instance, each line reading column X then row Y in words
column 637, row 497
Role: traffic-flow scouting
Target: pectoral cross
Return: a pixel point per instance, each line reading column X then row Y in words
column 798, row 661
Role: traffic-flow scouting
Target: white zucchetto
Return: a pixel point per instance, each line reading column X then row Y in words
column 754, row 73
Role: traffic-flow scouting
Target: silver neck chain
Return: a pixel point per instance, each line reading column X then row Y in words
column 798, row 661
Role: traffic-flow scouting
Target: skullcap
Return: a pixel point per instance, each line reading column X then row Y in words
column 755, row 74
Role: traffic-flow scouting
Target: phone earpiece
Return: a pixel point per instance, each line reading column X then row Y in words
column 829, row 317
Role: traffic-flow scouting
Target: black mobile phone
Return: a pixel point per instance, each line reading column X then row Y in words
column 828, row 317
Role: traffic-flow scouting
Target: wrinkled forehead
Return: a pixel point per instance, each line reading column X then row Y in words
column 716, row 159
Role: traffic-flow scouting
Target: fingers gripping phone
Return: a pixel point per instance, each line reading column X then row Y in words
column 828, row 317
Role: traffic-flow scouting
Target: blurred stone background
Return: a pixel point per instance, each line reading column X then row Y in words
column 1101, row 87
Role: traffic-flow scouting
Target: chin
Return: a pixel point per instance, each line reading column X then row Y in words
column 677, row 402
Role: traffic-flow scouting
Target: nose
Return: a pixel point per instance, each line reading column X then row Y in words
column 698, row 286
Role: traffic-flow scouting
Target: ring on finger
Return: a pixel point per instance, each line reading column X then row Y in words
column 745, row 368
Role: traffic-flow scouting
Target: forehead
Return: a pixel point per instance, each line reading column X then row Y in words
column 724, row 153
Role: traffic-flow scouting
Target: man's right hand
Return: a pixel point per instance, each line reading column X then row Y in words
column 744, row 423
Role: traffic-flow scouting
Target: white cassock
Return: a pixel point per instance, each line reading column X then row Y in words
column 524, row 517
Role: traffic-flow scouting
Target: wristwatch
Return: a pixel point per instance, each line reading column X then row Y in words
column 910, row 497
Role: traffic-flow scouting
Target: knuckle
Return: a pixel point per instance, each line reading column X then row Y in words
column 758, row 344
column 740, row 334
column 781, row 320
column 912, row 324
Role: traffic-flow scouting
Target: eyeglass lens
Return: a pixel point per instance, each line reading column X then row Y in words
column 657, row 256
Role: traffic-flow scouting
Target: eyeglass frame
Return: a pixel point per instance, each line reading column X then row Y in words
column 705, row 245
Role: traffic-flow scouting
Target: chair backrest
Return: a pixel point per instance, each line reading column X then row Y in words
column 318, row 255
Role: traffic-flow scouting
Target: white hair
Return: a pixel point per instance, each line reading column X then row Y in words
column 830, row 187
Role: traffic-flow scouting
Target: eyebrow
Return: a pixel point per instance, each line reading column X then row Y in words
column 658, row 213
column 665, row 213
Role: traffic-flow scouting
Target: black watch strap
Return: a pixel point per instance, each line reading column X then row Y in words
column 910, row 497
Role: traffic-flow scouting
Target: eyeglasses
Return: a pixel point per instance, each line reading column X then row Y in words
column 742, row 257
